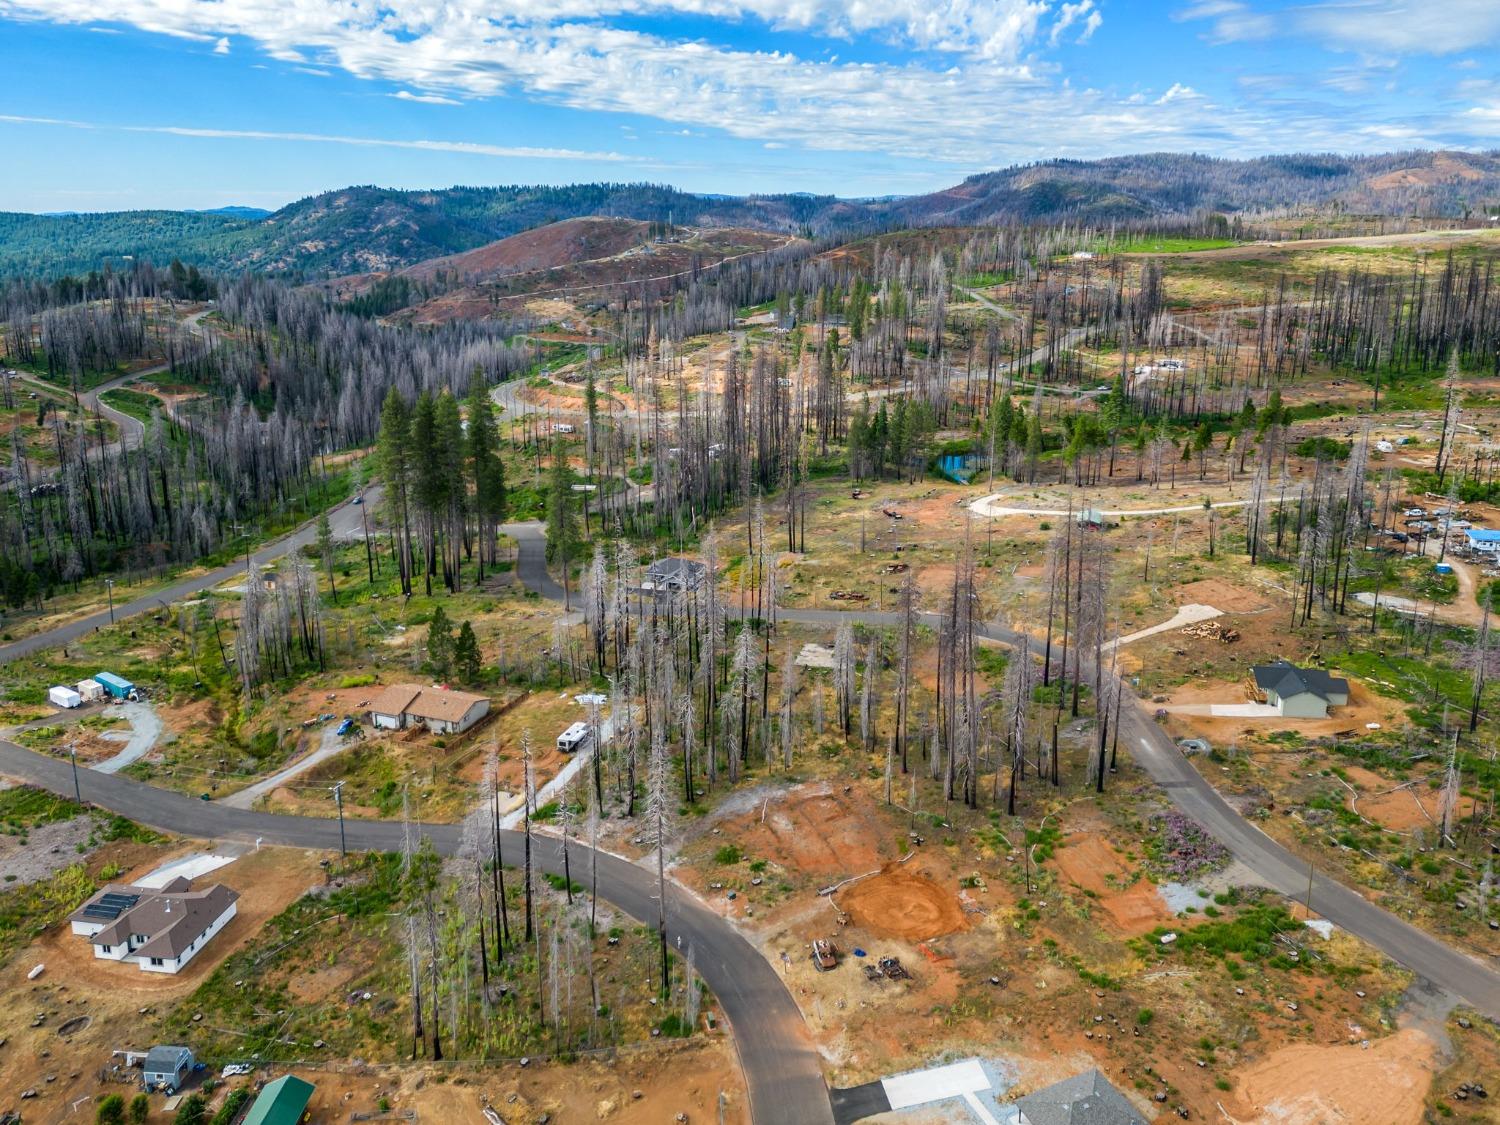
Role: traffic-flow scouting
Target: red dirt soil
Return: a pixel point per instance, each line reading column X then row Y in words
column 1088, row 862
column 814, row 830
column 904, row 903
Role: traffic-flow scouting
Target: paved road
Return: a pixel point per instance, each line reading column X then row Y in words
column 782, row 1067
column 345, row 520
column 783, row 1070
column 132, row 429
column 1475, row 981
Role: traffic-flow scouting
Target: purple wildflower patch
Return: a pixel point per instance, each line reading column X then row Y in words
column 1184, row 849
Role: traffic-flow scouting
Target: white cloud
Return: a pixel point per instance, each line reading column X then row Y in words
column 472, row 148
column 1069, row 14
column 1231, row 21
column 1436, row 27
column 222, row 46
column 992, row 99
column 425, row 99
column 1178, row 92
column 1370, row 27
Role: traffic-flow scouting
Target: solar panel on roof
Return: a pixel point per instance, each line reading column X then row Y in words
column 110, row 905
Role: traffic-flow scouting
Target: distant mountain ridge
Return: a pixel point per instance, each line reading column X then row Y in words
column 370, row 229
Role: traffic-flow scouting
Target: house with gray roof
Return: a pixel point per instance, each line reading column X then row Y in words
column 1300, row 693
column 1084, row 1099
column 672, row 575
column 160, row 929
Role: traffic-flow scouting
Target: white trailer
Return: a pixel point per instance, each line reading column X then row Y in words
column 90, row 689
column 574, row 738
column 63, row 696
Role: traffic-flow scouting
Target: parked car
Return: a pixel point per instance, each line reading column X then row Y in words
column 345, row 727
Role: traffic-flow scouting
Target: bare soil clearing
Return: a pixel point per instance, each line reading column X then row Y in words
column 1231, row 597
column 902, row 902
column 812, row 829
column 1314, row 1084
column 1400, row 809
column 643, row 1086
column 1126, row 895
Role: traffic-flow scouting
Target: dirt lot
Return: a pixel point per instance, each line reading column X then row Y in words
column 1411, row 805
column 1231, row 597
column 816, row 829
column 638, row 1086
column 903, row 902
column 1129, row 899
column 1386, row 1081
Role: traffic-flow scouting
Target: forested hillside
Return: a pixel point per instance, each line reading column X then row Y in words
column 368, row 229
column 1153, row 185
column 44, row 246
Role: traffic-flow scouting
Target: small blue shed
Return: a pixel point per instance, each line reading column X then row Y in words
column 167, row 1068
column 114, row 685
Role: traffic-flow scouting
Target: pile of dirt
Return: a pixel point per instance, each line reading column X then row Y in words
column 904, row 903
column 1387, row 1082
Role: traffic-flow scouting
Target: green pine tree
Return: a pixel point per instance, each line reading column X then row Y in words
column 467, row 662
column 440, row 644
column 393, row 456
column 563, row 535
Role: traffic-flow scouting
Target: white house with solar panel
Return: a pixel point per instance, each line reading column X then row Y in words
column 160, row 929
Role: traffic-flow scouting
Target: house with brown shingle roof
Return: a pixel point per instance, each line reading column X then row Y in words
column 441, row 711
column 160, row 929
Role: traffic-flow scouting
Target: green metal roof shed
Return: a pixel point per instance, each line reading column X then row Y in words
column 282, row 1102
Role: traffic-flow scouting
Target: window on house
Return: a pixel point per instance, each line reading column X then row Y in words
column 106, row 949
column 157, row 961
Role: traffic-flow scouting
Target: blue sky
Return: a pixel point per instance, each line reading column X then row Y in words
column 111, row 104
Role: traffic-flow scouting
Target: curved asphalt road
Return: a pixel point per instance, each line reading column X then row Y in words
column 783, row 1071
column 782, row 1067
column 1473, row 980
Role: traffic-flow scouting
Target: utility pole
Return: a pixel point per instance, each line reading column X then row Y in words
column 73, row 756
column 109, row 586
column 338, row 797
